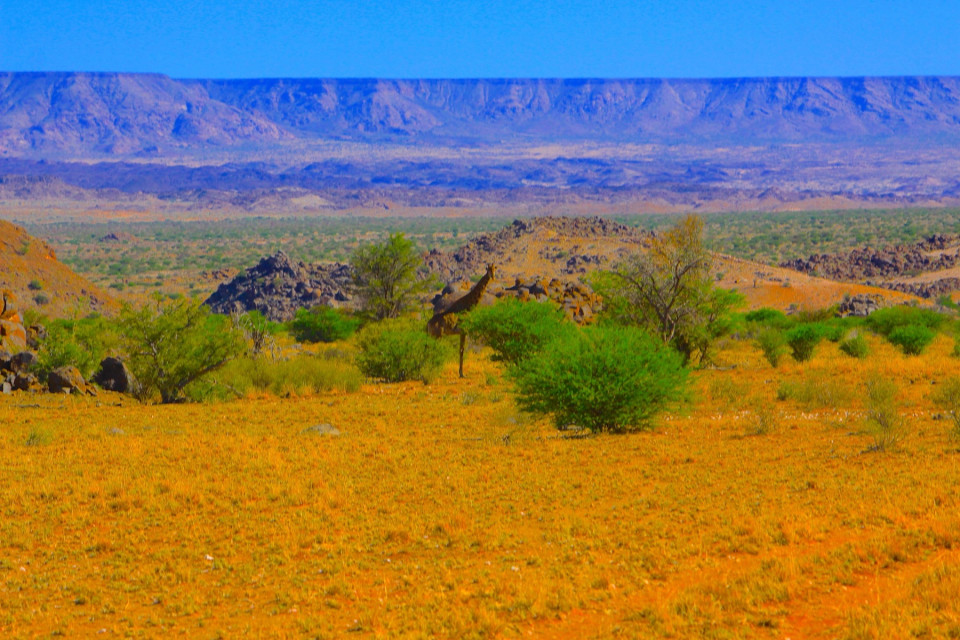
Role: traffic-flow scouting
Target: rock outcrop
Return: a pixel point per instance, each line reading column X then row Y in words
column 277, row 286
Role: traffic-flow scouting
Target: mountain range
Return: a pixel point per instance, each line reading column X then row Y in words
column 74, row 115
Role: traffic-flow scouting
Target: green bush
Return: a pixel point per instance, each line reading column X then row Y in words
column 885, row 321
column 803, row 339
column 768, row 317
column 912, row 339
column 516, row 330
column 171, row 344
column 603, row 378
column 399, row 350
column 773, row 344
column 855, row 346
column 322, row 324
column 80, row 343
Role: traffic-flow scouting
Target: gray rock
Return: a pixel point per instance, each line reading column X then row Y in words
column 323, row 429
column 6, row 387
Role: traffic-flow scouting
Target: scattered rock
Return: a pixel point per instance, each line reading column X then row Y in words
column 22, row 362
column 114, row 375
column 860, row 305
column 323, row 429
column 66, row 380
column 26, row 382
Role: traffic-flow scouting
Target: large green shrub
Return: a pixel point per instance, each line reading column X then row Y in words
column 516, row 330
column 912, row 339
column 385, row 277
column 399, row 350
column 322, row 324
column 884, row 321
column 803, row 339
column 604, row 378
column 172, row 344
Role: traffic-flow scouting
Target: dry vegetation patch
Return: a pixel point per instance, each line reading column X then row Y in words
column 440, row 511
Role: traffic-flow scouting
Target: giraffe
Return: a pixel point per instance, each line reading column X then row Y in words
column 444, row 323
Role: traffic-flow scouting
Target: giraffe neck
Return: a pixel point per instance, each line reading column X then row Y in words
column 472, row 297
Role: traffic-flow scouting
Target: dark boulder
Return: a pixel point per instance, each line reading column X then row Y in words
column 113, row 375
column 23, row 361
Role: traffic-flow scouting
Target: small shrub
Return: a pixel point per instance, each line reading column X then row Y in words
column 764, row 420
column 35, row 285
column 768, row 317
column 947, row 397
column 516, row 330
column 773, row 344
column 912, row 339
column 885, row 423
column 855, row 347
column 815, row 392
column 41, row 299
column 399, row 350
column 303, row 374
column 817, row 316
column 322, row 324
column 604, row 378
column 803, row 339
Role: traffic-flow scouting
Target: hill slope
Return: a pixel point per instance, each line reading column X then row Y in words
column 31, row 270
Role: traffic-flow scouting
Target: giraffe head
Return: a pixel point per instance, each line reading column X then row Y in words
column 491, row 271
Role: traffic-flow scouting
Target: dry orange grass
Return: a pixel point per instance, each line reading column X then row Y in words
column 441, row 512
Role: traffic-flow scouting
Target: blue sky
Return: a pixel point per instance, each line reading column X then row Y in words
column 491, row 38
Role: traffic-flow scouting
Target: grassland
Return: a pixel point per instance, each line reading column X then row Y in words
column 442, row 512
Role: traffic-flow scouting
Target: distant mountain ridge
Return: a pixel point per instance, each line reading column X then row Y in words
column 128, row 115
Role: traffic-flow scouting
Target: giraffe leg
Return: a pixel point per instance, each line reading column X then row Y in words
column 463, row 342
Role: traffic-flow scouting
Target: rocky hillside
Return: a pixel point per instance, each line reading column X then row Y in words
column 30, row 269
column 929, row 268
column 89, row 114
column 537, row 259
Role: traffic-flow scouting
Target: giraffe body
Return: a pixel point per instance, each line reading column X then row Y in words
column 444, row 322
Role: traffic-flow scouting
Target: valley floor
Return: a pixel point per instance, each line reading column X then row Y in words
column 440, row 511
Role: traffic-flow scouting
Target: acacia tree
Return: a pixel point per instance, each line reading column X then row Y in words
column 667, row 290
column 385, row 277
column 174, row 343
